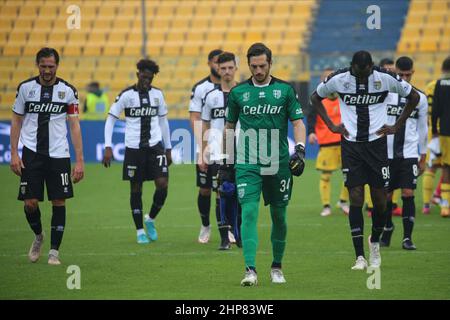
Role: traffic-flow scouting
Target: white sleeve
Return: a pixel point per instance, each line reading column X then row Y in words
column 422, row 124
column 19, row 104
column 196, row 103
column 165, row 131
column 118, row 106
column 162, row 111
column 327, row 87
column 109, row 127
column 397, row 84
column 206, row 111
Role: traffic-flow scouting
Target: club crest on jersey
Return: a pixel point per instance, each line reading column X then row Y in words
column 156, row 101
column 61, row 95
column 241, row 192
column 262, row 94
column 131, row 173
column 277, row 94
column 31, row 94
column 347, row 85
column 246, row 96
column 23, row 189
column 145, row 100
column 377, row 85
column 46, row 95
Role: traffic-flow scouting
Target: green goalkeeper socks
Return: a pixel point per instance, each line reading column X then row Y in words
column 249, row 232
column 279, row 231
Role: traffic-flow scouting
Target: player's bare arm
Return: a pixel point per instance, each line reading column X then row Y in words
column 195, row 118
column 413, row 99
column 75, row 134
column 16, row 163
column 316, row 102
column 203, row 165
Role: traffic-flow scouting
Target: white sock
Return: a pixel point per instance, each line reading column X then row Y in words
column 147, row 218
column 140, row 231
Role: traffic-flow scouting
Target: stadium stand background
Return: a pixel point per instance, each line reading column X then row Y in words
column 180, row 33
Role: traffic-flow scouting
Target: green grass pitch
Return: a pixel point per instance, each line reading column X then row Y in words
column 101, row 240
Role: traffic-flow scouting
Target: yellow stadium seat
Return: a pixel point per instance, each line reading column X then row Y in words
column 18, row 37
column 289, row 49
column 426, row 45
column 224, row 8
column 175, row 37
column 281, row 9
column 440, row 6
column 200, row 23
column 107, row 11
column 76, row 38
column 9, row 10
column 195, row 36
column 253, row 36
column 102, row 24
column 417, row 5
column 235, row 36
column 92, row 49
column 263, row 8
column 51, row 12
column 57, row 38
column 72, row 50
column 12, row 50
column 161, row 24
column 154, row 49
column 37, row 37
column 5, row 25
column 117, row 37
column 29, row 11
column 132, row 50
column 121, row 24
column 42, row 25
column 167, row 11
column 214, row 37
column 259, row 24
column 112, row 49
column 237, row 23
column 97, row 38
column 171, row 50
column 204, row 9
column 191, row 48
column 32, row 48
column 23, row 24
column 243, row 9
column 181, row 23
column 185, row 10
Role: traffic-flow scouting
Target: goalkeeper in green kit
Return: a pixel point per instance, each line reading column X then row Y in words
column 263, row 105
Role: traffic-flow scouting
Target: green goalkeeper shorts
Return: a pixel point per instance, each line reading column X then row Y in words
column 276, row 188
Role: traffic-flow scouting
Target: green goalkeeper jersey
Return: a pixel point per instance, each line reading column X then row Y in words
column 263, row 113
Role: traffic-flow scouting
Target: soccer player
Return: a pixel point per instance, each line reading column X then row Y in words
column 329, row 157
column 263, row 105
column 362, row 90
column 205, row 180
column 389, row 65
column 403, row 151
column 213, row 116
column 42, row 105
column 434, row 158
column 147, row 142
column 441, row 115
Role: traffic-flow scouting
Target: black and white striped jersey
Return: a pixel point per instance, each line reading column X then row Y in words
column 362, row 101
column 411, row 139
column 214, row 111
column 142, row 111
column 45, row 109
column 198, row 94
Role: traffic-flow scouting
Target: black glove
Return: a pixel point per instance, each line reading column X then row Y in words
column 297, row 161
column 226, row 173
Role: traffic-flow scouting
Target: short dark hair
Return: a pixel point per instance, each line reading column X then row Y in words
column 446, row 64
column 46, row 53
column 362, row 59
column 225, row 57
column 258, row 49
column 214, row 53
column 404, row 63
column 385, row 61
column 147, row 64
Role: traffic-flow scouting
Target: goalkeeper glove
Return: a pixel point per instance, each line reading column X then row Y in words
column 297, row 161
